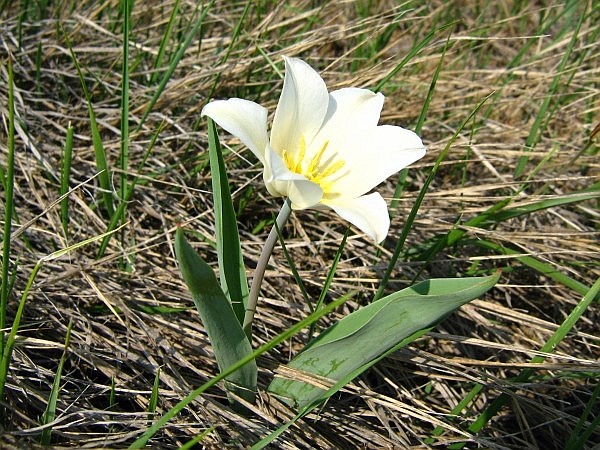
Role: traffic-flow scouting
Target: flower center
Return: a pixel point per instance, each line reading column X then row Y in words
column 315, row 170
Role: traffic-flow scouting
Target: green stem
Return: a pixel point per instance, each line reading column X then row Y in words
column 263, row 260
column 8, row 184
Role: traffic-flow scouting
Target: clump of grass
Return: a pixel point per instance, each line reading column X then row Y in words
column 510, row 181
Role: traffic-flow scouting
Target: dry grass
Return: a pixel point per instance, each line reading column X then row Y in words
column 399, row 402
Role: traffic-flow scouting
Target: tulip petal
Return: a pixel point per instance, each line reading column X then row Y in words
column 281, row 181
column 352, row 107
column 368, row 213
column 301, row 108
column 304, row 194
column 370, row 156
column 244, row 119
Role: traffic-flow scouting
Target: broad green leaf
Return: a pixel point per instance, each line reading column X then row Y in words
column 231, row 263
column 367, row 333
column 224, row 330
column 285, row 335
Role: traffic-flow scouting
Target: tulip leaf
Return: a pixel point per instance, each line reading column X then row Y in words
column 231, row 263
column 229, row 341
column 364, row 335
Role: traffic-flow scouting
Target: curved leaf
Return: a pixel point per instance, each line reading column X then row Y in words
column 229, row 342
column 365, row 334
column 231, row 262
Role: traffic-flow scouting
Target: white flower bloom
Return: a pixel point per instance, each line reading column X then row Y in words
column 325, row 148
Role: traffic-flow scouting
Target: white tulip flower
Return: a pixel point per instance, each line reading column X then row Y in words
column 325, row 149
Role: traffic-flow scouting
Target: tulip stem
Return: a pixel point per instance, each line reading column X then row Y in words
column 261, row 266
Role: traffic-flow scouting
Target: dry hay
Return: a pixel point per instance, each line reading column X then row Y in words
column 397, row 403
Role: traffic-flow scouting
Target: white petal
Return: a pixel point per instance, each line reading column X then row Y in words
column 352, row 107
column 281, row 181
column 372, row 155
column 301, row 108
column 244, row 119
column 304, row 194
column 368, row 213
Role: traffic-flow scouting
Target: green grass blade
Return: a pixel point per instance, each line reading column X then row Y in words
column 173, row 64
column 534, row 263
column 402, row 175
column 9, row 344
column 164, row 41
column 8, row 182
column 578, row 436
column 50, row 412
column 231, row 262
column 10, row 340
column 592, row 294
column 99, row 152
column 466, row 400
column 411, row 54
column 454, row 235
column 192, row 442
column 498, row 213
column 298, row 278
column 419, row 126
column 590, row 193
column 292, row 266
column 65, row 176
column 115, row 218
column 234, row 37
column 413, row 212
column 536, row 128
column 287, row 334
column 331, row 271
column 236, row 32
column 124, row 153
column 546, row 27
column 153, row 402
column 431, row 90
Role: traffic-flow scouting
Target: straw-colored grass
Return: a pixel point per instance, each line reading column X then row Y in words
column 130, row 310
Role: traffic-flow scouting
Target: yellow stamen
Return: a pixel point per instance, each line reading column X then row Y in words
column 332, row 168
column 294, row 163
column 316, row 162
column 316, row 171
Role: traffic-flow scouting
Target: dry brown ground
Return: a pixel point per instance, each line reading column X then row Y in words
column 400, row 401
